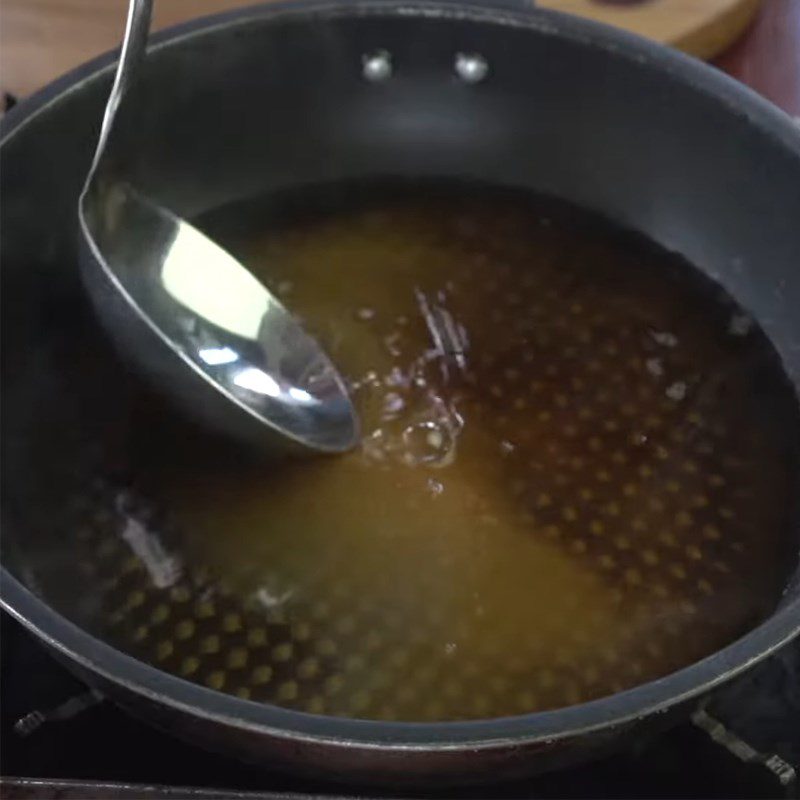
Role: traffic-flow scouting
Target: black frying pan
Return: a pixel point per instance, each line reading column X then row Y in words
column 650, row 138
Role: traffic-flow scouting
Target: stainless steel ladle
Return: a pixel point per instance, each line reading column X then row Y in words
column 192, row 317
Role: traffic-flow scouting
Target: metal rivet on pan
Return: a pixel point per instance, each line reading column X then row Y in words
column 377, row 66
column 471, row 67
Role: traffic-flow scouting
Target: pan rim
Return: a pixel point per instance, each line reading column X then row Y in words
column 620, row 709
column 544, row 727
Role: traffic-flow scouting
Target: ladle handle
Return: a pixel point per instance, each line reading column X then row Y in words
column 134, row 45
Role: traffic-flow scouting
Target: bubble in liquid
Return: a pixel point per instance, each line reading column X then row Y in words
column 676, row 391
column 435, row 487
column 365, row 314
column 430, row 443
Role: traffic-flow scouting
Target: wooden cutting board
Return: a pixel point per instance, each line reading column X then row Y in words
column 41, row 39
column 703, row 28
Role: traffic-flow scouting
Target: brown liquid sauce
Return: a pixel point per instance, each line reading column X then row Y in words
column 573, row 477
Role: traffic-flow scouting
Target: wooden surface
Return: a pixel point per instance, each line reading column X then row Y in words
column 41, row 39
column 701, row 27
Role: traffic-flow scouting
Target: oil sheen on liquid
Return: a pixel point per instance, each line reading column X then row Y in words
column 575, row 474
